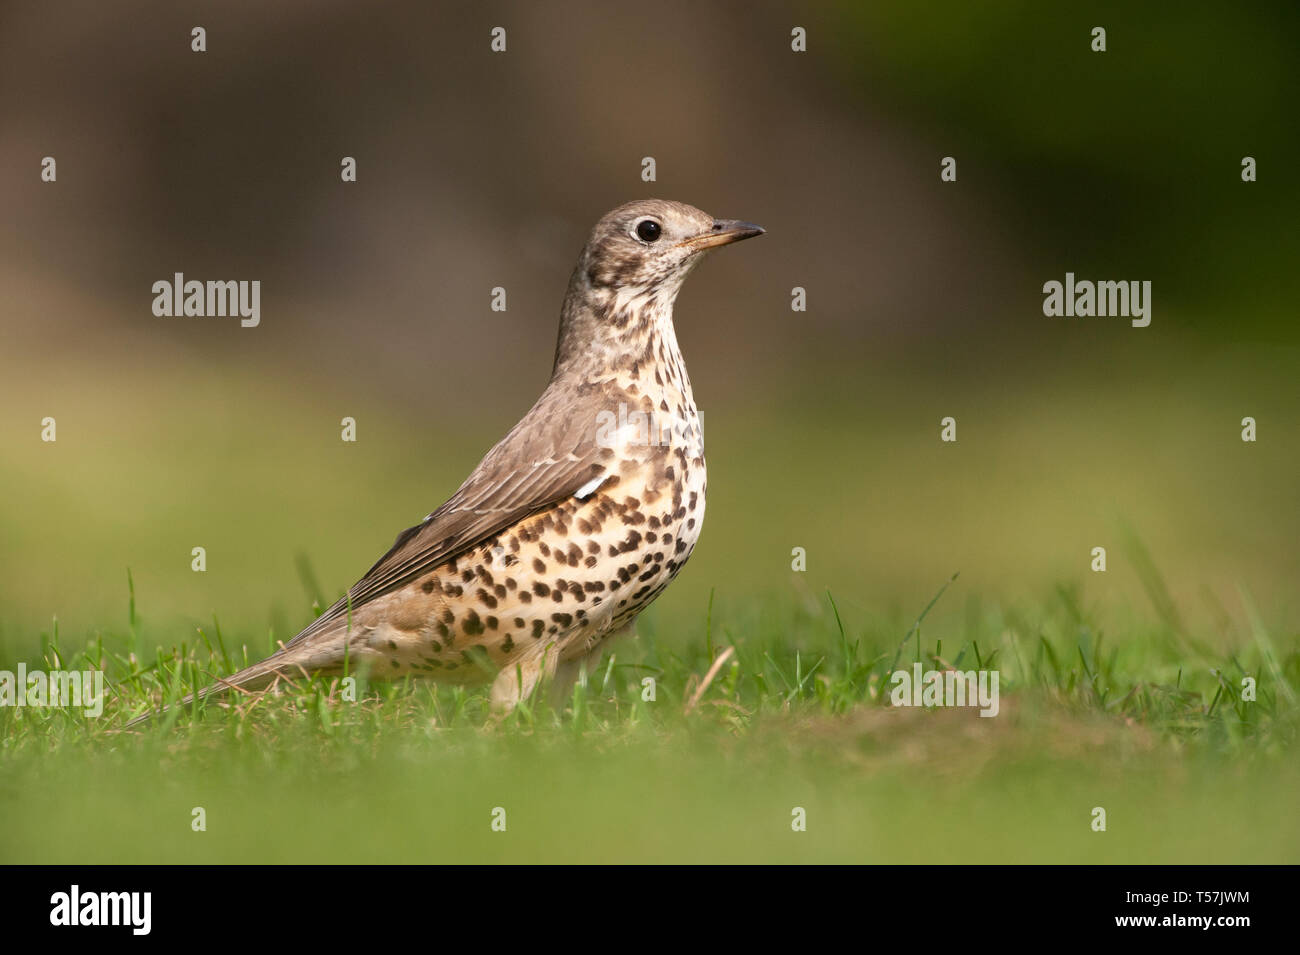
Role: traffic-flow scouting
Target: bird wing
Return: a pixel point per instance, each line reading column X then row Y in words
column 551, row 455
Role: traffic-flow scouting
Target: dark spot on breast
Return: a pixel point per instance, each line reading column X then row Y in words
column 537, row 629
column 427, row 586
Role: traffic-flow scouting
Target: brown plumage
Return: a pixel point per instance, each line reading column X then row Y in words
column 575, row 521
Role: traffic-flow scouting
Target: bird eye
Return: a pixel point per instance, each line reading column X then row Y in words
column 648, row 230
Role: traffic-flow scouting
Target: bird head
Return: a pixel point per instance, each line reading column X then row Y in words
column 650, row 245
column 621, row 295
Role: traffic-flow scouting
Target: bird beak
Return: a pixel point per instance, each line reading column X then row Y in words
column 724, row 232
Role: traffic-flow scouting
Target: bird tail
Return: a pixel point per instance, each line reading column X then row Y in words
column 286, row 661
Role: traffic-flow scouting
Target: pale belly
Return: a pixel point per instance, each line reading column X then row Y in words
column 560, row 581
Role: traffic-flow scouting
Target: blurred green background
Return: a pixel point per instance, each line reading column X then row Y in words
column 479, row 170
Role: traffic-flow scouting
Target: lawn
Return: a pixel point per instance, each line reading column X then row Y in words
column 1135, row 719
column 1119, row 690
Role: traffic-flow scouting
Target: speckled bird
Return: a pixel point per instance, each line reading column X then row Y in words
column 575, row 521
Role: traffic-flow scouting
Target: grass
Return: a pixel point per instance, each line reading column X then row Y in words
column 1141, row 719
column 1119, row 690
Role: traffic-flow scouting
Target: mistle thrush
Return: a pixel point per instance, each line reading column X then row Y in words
column 576, row 520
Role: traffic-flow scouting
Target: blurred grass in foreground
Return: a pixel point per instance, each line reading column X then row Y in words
column 1129, row 717
column 1120, row 690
